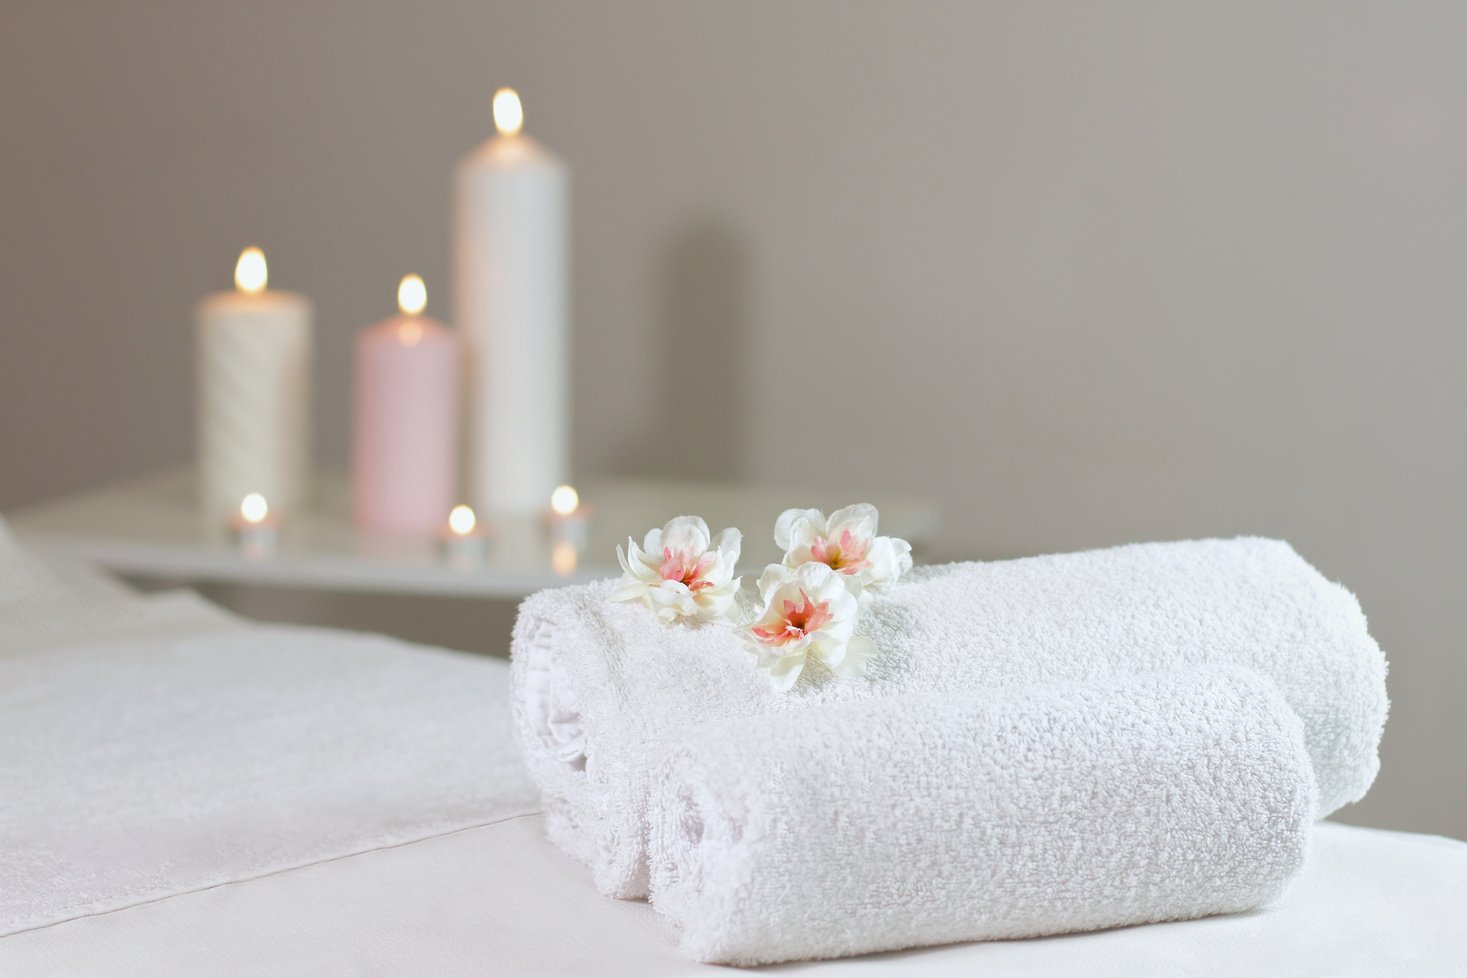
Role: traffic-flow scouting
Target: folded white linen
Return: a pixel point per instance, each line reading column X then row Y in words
column 145, row 766
column 63, row 600
column 601, row 689
column 933, row 818
column 32, row 598
column 155, row 744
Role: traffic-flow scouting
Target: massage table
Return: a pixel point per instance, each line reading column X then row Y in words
column 215, row 797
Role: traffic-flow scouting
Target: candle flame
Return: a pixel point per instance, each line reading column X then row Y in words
column 563, row 558
column 253, row 508
column 461, row 520
column 250, row 272
column 412, row 295
column 509, row 115
column 564, row 500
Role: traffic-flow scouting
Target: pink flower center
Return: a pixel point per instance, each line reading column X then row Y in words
column 686, row 567
column 848, row 555
column 799, row 620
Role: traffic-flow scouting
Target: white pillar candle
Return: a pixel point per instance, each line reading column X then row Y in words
column 512, row 260
column 254, row 388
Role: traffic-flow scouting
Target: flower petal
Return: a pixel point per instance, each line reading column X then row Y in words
column 819, row 581
column 621, row 558
column 784, row 670
column 860, row 515
column 832, row 652
column 860, row 650
column 889, row 559
column 729, row 543
column 629, row 591
column 686, row 534
column 774, row 575
column 784, row 526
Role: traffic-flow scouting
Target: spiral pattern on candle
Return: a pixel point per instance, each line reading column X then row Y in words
column 253, row 411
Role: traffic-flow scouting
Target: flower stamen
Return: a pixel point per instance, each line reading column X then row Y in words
column 799, row 620
column 686, row 568
column 847, row 556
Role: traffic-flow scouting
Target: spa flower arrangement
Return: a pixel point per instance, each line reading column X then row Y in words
column 810, row 602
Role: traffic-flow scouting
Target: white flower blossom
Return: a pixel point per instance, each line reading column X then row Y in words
column 808, row 613
column 681, row 573
column 847, row 543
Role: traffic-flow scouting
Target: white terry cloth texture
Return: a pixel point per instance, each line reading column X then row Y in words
column 144, row 767
column 601, row 689
column 930, row 819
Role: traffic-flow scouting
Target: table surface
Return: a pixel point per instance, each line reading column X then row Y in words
column 151, row 527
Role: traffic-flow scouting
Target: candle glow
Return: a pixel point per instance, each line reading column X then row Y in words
column 509, row 114
column 412, row 295
column 250, row 272
column 253, row 508
column 564, row 500
column 412, row 299
column 461, row 520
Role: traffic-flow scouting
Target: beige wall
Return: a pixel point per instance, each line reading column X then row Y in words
column 1086, row 273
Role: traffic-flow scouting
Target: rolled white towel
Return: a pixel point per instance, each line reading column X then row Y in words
column 601, row 689
column 932, row 818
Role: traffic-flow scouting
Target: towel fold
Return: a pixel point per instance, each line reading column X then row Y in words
column 602, row 690
column 929, row 819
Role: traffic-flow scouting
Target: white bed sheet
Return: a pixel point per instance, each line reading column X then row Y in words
column 498, row 901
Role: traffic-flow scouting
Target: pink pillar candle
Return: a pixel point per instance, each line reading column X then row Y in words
column 405, row 447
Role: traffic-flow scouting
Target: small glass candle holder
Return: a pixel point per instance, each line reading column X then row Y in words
column 254, row 529
column 567, row 521
column 462, row 542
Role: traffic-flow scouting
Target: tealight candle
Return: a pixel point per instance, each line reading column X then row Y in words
column 405, row 443
column 567, row 520
column 254, row 528
column 462, row 541
column 254, row 377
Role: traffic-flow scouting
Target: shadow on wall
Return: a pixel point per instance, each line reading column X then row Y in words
column 702, row 367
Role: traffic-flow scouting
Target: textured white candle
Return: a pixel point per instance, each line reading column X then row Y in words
column 511, row 236
column 254, row 376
